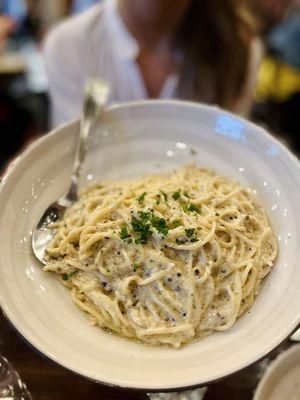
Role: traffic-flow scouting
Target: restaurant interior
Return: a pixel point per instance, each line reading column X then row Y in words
column 29, row 110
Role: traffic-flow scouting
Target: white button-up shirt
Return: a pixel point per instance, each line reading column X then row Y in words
column 96, row 44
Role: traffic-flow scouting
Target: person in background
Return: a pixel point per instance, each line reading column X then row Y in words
column 22, row 110
column 16, row 124
column 189, row 49
column 277, row 96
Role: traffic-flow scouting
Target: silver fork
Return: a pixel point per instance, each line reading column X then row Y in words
column 95, row 98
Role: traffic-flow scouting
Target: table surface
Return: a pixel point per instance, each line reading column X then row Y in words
column 47, row 380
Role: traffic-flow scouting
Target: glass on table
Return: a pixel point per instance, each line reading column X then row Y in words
column 11, row 385
column 195, row 394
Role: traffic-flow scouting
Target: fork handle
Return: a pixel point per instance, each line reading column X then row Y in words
column 95, row 98
column 81, row 146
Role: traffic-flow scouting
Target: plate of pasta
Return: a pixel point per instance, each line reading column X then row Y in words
column 177, row 265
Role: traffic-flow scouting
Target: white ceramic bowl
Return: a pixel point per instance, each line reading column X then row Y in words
column 137, row 138
column 281, row 379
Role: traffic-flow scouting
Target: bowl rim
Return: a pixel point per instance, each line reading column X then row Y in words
column 145, row 389
column 133, row 105
column 152, row 102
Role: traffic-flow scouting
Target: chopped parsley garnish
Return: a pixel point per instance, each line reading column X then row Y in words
column 176, row 195
column 141, row 198
column 145, row 216
column 190, row 232
column 160, row 225
column 124, row 233
column 141, row 228
column 158, row 199
column 176, row 223
column 65, row 276
column 180, row 241
column 193, row 208
column 184, row 206
column 165, row 195
column 189, row 207
column 135, row 267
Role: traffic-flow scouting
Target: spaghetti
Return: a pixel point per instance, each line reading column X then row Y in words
column 165, row 259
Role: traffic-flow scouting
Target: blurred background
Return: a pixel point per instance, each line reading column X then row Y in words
column 25, row 109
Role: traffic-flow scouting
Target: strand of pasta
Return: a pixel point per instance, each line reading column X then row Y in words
column 196, row 273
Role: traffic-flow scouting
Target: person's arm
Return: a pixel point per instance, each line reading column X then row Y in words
column 65, row 77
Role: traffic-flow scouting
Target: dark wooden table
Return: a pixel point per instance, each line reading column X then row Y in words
column 49, row 381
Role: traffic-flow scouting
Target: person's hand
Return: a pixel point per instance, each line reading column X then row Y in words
column 7, row 26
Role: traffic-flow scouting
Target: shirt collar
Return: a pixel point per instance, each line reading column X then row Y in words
column 123, row 42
